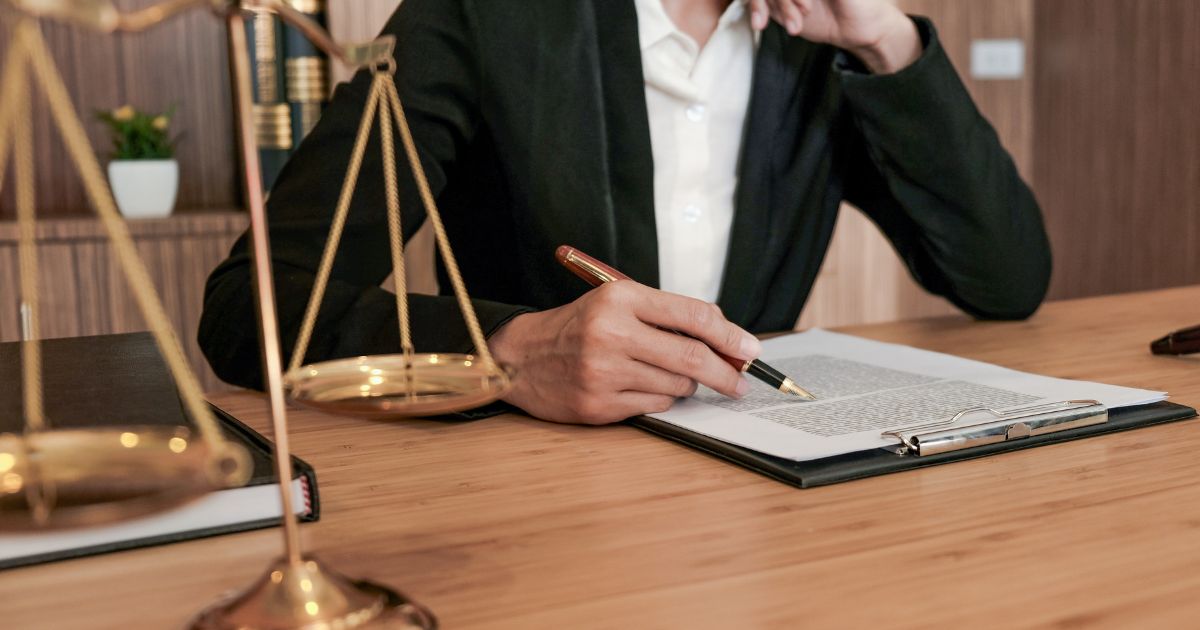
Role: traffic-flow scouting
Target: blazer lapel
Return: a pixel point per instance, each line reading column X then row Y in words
column 630, row 161
column 773, row 85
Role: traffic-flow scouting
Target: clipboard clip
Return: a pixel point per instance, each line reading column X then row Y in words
column 1022, row 422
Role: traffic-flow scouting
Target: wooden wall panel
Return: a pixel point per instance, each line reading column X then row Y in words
column 96, row 288
column 83, row 289
column 181, row 63
column 1117, row 164
column 10, row 327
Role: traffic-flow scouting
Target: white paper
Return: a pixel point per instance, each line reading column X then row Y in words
column 218, row 509
column 864, row 388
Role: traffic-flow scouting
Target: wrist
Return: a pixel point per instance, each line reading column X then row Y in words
column 505, row 343
column 896, row 45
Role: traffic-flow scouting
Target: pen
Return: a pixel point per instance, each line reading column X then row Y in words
column 597, row 273
column 1184, row 341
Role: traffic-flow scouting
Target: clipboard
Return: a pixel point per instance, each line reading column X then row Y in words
column 971, row 437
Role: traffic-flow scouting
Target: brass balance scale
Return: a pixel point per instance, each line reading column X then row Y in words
column 56, row 478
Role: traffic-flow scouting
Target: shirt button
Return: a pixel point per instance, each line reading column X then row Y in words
column 695, row 112
column 692, row 213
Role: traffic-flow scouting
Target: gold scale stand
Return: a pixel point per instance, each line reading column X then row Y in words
column 43, row 466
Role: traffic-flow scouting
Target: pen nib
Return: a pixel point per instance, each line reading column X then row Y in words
column 790, row 387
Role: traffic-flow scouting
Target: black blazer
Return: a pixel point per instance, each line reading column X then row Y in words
column 531, row 121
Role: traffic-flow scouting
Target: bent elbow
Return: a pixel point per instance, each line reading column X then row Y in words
column 1018, row 292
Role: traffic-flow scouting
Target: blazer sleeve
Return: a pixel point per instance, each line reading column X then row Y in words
column 437, row 78
column 930, row 171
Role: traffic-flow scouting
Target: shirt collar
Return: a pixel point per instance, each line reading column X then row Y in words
column 654, row 25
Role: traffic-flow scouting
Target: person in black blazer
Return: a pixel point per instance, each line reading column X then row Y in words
column 531, row 121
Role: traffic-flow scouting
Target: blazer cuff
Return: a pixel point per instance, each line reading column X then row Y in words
column 437, row 324
column 847, row 64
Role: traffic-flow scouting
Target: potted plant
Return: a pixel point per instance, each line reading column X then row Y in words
column 143, row 172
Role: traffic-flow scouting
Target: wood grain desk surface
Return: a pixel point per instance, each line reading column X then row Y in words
column 510, row 522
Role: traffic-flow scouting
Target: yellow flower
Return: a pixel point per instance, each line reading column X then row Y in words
column 160, row 123
column 123, row 113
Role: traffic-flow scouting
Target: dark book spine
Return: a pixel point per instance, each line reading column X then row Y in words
column 306, row 74
column 272, row 114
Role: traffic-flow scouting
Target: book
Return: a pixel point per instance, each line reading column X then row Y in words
column 121, row 380
column 272, row 114
column 306, row 71
column 291, row 84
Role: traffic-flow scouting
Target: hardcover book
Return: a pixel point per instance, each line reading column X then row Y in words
column 121, row 380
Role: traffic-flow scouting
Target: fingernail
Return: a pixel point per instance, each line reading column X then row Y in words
column 793, row 26
column 751, row 347
column 743, row 387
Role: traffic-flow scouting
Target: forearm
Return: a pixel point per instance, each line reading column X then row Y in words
column 353, row 321
column 969, row 224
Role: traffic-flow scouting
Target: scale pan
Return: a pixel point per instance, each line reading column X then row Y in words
column 389, row 386
column 62, row 478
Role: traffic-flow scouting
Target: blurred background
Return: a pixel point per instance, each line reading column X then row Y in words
column 1095, row 99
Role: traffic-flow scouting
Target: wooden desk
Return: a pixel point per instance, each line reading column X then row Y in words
column 511, row 522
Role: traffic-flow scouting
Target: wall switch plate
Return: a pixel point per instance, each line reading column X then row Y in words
column 997, row 59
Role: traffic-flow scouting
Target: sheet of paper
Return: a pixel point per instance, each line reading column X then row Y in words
column 865, row 387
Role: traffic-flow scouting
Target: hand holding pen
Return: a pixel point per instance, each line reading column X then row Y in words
column 597, row 273
column 609, row 355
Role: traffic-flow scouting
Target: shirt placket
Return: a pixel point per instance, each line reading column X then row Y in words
column 690, row 214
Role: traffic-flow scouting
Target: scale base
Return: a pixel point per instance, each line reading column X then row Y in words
column 310, row 596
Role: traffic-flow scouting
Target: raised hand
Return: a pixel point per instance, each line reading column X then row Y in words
column 875, row 31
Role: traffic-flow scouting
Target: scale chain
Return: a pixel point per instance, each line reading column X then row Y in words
column 384, row 100
column 443, row 241
column 335, row 233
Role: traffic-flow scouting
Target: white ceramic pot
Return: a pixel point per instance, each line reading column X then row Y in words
column 144, row 189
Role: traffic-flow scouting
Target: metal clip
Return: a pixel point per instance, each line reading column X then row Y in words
column 1022, row 422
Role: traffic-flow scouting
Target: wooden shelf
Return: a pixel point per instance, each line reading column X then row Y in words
column 82, row 289
column 88, row 228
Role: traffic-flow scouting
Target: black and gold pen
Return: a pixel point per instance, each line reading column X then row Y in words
column 597, row 273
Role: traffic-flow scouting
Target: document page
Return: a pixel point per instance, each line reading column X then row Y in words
column 864, row 388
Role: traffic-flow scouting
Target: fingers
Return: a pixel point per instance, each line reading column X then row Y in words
column 619, row 407
column 696, row 318
column 759, row 14
column 789, row 14
column 638, row 403
column 650, row 379
column 689, row 358
column 693, row 358
column 597, row 361
column 611, row 389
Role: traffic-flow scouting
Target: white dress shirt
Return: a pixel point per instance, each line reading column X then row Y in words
column 696, row 101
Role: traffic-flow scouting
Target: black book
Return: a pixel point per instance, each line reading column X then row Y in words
column 305, row 72
column 121, row 380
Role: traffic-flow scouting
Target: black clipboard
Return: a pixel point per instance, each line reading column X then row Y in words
column 860, row 465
